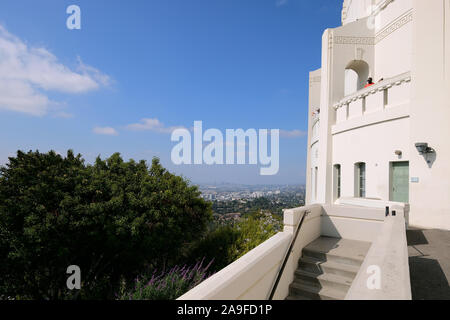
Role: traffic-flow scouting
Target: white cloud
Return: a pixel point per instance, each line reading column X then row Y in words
column 281, row 3
column 64, row 115
column 108, row 131
column 292, row 134
column 149, row 124
column 27, row 73
column 97, row 75
column 21, row 97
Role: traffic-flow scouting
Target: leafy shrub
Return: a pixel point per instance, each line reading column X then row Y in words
column 254, row 230
column 216, row 245
column 112, row 219
column 227, row 243
column 166, row 286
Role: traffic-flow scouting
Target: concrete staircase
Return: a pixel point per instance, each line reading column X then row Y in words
column 327, row 268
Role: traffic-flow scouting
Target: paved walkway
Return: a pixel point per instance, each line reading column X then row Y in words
column 429, row 264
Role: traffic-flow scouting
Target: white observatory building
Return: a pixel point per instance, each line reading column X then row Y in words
column 389, row 141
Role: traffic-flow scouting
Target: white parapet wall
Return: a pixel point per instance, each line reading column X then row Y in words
column 376, row 203
column 352, row 222
column 384, row 274
column 252, row 276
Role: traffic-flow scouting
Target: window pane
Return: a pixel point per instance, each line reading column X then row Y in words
column 338, row 181
column 362, row 180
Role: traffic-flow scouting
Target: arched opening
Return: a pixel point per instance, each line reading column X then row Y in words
column 356, row 75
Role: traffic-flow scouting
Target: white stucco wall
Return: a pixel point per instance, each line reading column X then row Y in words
column 356, row 9
column 430, row 114
column 249, row 278
column 313, row 132
column 352, row 222
column 375, row 145
column 393, row 50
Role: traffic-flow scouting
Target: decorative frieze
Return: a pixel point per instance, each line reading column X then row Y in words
column 315, row 79
column 394, row 26
column 369, row 41
column 331, row 40
column 386, row 31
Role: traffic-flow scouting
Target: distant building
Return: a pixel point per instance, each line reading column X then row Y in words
column 258, row 194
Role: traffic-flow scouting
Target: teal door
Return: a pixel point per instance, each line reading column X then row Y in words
column 400, row 182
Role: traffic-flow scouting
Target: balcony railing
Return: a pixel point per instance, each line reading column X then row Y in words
column 389, row 92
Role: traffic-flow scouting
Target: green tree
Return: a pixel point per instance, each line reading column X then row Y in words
column 216, row 245
column 253, row 230
column 228, row 242
column 112, row 218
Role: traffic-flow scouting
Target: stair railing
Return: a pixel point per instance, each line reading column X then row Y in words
column 287, row 255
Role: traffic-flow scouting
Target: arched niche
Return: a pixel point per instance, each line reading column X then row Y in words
column 356, row 75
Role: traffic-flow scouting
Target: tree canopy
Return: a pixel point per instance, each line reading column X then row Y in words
column 112, row 218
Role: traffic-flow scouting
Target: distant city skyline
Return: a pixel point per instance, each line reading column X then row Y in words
column 136, row 71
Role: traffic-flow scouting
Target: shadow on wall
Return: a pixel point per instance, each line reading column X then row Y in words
column 330, row 230
column 428, row 279
column 430, row 158
column 428, row 153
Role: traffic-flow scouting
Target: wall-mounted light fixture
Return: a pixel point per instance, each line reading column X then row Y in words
column 398, row 152
column 423, row 148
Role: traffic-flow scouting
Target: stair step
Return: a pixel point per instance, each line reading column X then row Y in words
column 328, row 280
column 353, row 261
column 350, row 252
column 313, row 292
column 327, row 269
column 318, row 266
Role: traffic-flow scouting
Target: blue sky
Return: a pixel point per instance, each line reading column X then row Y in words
column 229, row 63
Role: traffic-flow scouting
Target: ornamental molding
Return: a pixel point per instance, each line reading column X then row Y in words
column 345, row 7
column 331, row 40
column 385, row 32
column 315, row 79
column 381, row 86
column 369, row 41
column 394, row 26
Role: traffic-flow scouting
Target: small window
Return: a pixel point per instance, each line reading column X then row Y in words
column 337, row 180
column 360, row 179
